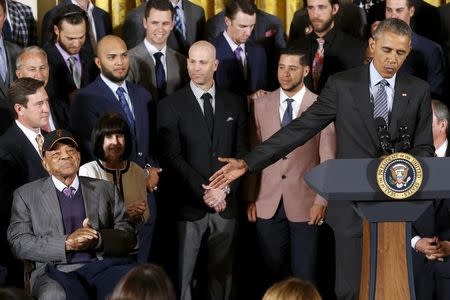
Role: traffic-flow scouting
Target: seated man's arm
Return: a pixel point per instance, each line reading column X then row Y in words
column 25, row 244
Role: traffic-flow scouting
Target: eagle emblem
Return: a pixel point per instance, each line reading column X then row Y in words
column 399, row 175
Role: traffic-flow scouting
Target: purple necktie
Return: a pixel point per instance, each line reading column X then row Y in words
column 237, row 53
column 69, row 191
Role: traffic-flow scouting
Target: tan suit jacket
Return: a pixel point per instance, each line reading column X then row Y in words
column 285, row 177
column 142, row 70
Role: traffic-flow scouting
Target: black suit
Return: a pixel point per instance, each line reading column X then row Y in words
column 60, row 81
column 341, row 52
column 20, row 163
column 102, row 21
column 189, row 158
column 346, row 100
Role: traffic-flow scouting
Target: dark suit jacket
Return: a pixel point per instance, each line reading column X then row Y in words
column 20, row 164
column 60, row 81
column 36, row 232
column 342, row 52
column 190, row 156
column 345, row 100
column 426, row 19
column 97, row 99
column 6, row 117
column 102, row 20
column 268, row 33
column 229, row 75
column 133, row 31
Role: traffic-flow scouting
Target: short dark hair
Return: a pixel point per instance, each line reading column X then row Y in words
column 3, row 5
column 304, row 59
column 393, row 25
column 110, row 123
column 163, row 5
column 147, row 281
column 19, row 91
column 234, row 6
column 72, row 14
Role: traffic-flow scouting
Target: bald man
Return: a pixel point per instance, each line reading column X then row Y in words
column 110, row 92
column 196, row 125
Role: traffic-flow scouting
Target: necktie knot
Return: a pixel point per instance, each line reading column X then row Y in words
column 158, row 56
column 320, row 42
column 382, row 83
column 120, row 91
column 69, row 191
column 206, row 97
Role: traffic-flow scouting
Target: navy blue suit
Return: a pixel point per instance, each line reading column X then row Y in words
column 97, row 99
column 229, row 75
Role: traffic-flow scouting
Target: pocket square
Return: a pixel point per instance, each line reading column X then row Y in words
column 230, row 119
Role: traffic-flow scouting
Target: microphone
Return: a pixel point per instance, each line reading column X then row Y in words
column 384, row 136
column 404, row 137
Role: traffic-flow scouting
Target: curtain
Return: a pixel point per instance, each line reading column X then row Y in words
column 284, row 9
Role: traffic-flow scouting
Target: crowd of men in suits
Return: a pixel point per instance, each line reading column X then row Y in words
column 194, row 92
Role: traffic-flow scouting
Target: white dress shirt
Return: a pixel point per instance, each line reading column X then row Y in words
column 31, row 135
column 298, row 98
column 152, row 50
column 114, row 86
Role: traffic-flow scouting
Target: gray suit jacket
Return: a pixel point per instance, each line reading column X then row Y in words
column 36, row 231
column 142, row 70
column 133, row 31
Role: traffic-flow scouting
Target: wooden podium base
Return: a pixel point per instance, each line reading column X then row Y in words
column 386, row 271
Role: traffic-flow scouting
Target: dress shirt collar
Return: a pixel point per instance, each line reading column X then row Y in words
column 442, row 150
column 90, row 7
column 198, row 92
column 375, row 77
column 298, row 97
column 60, row 186
column 30, row 134
column 66, row 55
column 152, row 49
column 114, row 86
column 179, row 4
column 232, row 44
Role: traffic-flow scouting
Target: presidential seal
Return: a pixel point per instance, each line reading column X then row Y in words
column 399, row 175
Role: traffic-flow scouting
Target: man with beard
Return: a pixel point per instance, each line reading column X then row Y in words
column 110, row 92
column 286, row 211
column 71, row 65
column 328, row 48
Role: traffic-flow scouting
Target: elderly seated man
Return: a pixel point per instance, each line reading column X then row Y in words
column 72, row 229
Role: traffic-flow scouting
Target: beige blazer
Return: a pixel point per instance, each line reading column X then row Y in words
column 285, row 177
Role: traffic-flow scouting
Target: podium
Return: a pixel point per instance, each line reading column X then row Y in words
column 386, row 267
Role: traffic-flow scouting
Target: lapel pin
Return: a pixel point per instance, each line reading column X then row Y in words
column 404, row 94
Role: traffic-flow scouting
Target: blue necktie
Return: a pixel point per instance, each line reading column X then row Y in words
column 160, row 75
column 177, row 19
column 126, row 109
column 380, row 105
column 7, row 32
column 287, row 117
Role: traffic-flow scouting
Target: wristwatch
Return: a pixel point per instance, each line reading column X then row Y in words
column 146, row 170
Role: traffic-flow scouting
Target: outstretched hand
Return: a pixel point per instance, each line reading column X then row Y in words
column 234, row 169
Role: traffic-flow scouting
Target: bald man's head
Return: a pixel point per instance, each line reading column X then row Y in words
column 112, row 58
column 202, row 64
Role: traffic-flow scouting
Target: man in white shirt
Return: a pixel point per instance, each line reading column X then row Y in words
column 431, row 240
column 154, row 65
column 285, row 209
column 20, row 155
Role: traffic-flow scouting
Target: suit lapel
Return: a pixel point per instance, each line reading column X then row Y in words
column 219, row 118
column 143, row 52
column 90, row 198
column 51, row 205
column 363, row 102
column 188, row 15
column 171, row 63
column 400, row 103
column 271, row 110
column 307, row 100
column 138, row 113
